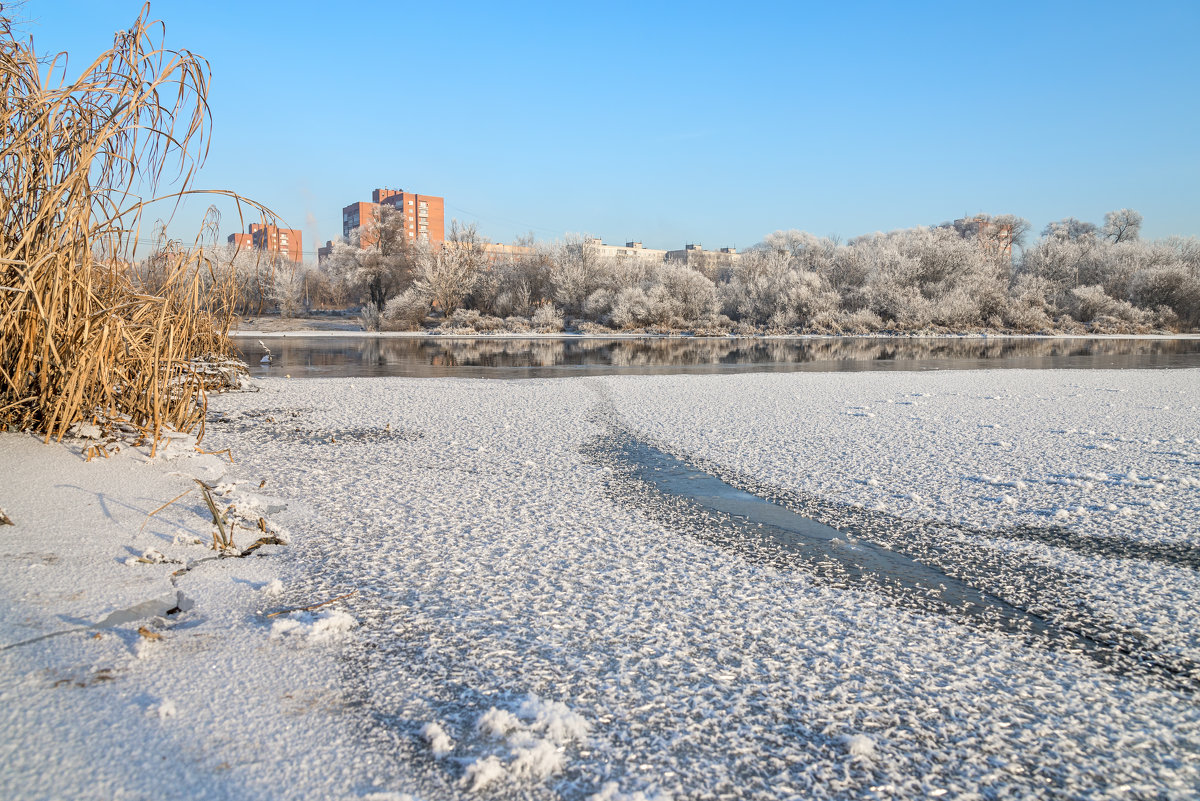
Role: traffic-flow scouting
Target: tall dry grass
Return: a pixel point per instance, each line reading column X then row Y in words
column 81, row 334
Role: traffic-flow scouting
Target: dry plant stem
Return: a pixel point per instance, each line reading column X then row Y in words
column 260, row 542
column 81, row 329
column 314, row 606
column 224, row 452
column 221, row 539
column 159, row 509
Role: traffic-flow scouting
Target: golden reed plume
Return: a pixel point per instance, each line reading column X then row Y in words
column 82, row 334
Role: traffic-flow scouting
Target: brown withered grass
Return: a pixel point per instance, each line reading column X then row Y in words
column 82, row 336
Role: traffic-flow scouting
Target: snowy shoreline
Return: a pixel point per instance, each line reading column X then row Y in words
column 519, row 627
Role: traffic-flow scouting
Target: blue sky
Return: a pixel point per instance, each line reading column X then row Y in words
column 713, row 123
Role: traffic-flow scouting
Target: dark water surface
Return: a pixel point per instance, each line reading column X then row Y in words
column 358, row 356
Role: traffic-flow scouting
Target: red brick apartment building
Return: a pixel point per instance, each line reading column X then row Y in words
column 424, row 215
column 286, row 242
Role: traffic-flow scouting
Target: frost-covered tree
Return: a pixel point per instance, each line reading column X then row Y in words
column 912, row 275
column 1002, row 231
column 249, row 273
column 518, row 284
column 1122, row 225
column 1070, row 228
column 1058, row 263
column 447, row 274
column 669, row 295
column 577, row 272
column 377, row 259
column 771, row 285
column 288, row 288
column 324, row 290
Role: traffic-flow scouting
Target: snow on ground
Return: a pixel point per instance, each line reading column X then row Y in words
column 119, row 680
column 515, row 619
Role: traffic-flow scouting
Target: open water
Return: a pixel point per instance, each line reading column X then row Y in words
column 302, row 356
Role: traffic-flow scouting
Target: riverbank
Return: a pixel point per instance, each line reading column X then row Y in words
column 531, row 621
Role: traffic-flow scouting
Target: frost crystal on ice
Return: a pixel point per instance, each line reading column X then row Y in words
column 537, row 761
column 497, row 722
column 611, row 791
column 859, row 745
column 439, row 742
column 483, row 772
column 165, row 709
column 554, row 718
column 326, row 627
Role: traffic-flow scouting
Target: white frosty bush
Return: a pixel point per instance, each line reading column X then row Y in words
column 863, row 321
column 598, row 305
column 370, row 317
column 1090, row 303
column 1172, row 286
column 407, row 311
column 547, row 319
column 472, row 320
column 630, row 308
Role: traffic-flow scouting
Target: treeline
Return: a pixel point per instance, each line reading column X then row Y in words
column 975, row 274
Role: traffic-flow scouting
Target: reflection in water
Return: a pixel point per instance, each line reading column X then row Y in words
column 301, row 356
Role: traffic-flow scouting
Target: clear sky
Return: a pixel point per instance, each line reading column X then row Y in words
column 711, row 123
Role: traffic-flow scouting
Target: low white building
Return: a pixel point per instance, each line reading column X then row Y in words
column 631, row 250
column 691, row 255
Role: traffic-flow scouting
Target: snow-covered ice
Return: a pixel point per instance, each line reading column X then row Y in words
column 526, row 621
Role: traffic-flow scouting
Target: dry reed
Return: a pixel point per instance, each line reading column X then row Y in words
column 82, row 335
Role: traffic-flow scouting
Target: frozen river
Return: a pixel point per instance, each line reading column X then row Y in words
column 546, row 609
